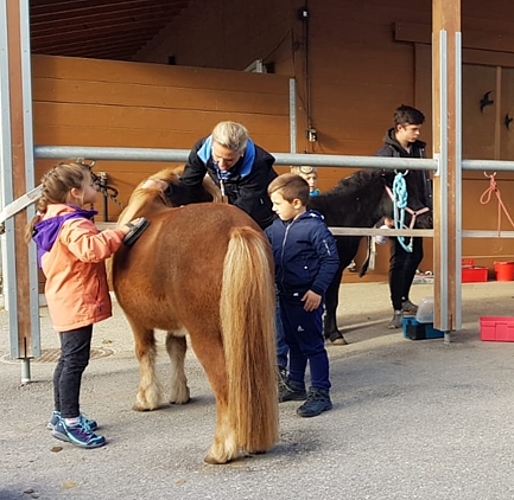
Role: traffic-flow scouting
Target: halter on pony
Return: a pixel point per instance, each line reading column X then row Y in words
column 399, row 196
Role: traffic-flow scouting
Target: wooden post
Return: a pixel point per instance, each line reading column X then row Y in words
column 446, row 22
column 22, row 291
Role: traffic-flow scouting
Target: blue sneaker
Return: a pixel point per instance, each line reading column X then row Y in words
column 79, row 435
column 56, row 416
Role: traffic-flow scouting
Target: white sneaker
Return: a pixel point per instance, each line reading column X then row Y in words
column 409, row 309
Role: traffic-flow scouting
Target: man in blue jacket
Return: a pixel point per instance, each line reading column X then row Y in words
column 241, row 169
column 306, row 261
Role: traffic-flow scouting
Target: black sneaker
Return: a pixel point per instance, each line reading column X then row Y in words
column 318, row 400
column 291, row 391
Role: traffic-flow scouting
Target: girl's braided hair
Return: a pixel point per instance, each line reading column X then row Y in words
column 56, row 186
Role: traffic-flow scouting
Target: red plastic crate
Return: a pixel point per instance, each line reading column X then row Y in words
column 497, row 328
column 474, row 274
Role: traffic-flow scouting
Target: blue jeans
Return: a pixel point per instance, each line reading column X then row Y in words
column 304, row 337
column 75, row 352
column 282, row 349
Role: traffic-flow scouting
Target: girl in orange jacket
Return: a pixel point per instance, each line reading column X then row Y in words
column 71, row 253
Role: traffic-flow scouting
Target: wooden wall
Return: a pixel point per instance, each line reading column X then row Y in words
column 86, row 102
column 363, row 61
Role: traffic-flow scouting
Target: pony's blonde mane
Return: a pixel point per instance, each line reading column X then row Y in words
column 144, row 198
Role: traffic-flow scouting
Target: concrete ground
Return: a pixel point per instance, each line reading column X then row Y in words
column 411, row 420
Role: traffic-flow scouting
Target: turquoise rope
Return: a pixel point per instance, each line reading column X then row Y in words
column 400, row 197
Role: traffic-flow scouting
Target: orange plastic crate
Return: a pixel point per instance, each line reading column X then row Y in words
column 474, row 274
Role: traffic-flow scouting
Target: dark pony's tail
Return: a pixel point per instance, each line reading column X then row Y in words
column 247, row 311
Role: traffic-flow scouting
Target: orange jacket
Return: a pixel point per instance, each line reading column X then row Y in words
column 76, row 287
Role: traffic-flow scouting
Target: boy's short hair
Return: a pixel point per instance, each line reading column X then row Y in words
column 291, row 187
column 408, row 115
column 304, row 170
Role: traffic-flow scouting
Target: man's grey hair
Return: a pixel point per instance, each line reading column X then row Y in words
column 231, row 135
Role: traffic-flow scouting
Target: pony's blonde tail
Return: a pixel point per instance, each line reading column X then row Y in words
column 248, row 322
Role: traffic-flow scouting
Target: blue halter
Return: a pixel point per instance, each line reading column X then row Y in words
column 400, row 197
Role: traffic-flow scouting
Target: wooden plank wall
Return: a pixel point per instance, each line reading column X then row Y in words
column 359, row 72
column 86, row 102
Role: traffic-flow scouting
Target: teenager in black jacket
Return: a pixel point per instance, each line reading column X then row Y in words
column 402, row 141
column 241, row 169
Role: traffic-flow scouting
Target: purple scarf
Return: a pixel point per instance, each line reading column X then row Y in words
column 47, row 231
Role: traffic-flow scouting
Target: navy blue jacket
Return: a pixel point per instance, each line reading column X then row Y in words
column 245, row 185
column 305, row 255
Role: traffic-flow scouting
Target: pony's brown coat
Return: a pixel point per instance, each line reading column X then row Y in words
column 205, row 268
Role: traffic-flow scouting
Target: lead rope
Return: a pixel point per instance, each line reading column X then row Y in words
column 486, row 198
column 400, row 198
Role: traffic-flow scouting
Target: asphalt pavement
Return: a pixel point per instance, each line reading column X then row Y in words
column 411, row 419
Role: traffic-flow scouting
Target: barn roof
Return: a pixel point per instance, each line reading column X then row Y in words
column 102, row 29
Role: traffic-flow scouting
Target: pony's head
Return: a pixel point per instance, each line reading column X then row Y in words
column 413, row 194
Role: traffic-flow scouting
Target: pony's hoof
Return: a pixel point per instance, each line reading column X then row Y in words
column 180, row 402
column 339, row 341
column 209, row 459
column 139, row 407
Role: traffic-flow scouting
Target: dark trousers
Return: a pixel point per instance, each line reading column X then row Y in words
column 402, row 268
column 75, row 352
column 304, row 336
column 282, row 349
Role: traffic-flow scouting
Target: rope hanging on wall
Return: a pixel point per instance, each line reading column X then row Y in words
column 486, row 198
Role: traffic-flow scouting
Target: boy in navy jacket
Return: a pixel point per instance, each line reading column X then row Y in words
column 306, row 261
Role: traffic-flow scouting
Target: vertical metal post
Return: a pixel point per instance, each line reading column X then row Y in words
column 292, row 114
column 458, row 180
column 443, row 173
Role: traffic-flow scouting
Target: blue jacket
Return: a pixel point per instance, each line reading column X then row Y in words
column 305, row 255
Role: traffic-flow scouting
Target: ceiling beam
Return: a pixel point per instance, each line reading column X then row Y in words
column 99, row 29
column 91, row 19
column 102, row 9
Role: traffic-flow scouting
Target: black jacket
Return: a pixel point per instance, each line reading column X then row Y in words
column 392, row 147
column 247, row 185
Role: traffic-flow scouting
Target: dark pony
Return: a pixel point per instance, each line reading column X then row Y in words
column 360, row 200
column 205, row 270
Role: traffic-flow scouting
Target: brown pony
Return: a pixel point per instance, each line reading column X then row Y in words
column 205, row 270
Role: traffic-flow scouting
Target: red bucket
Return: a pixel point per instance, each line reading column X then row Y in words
column 504, row 271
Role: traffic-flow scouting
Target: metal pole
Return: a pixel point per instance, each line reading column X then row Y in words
column 292, row 114
column 443, row 172
column 458, row 180
column 181, row 155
